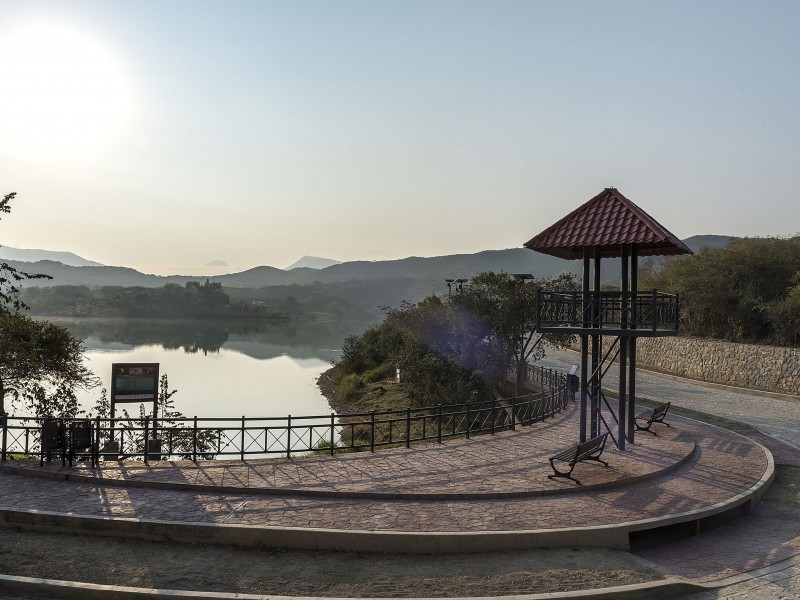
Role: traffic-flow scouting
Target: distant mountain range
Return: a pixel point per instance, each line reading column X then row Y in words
column 313, row 262
column 420, row 273
column 32, row 255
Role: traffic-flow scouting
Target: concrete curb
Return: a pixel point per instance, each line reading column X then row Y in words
column 670, row 587
column 250, row 536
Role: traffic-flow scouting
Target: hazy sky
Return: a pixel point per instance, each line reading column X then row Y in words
column 165, row 135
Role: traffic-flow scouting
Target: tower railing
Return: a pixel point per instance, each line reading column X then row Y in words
column 615, row 313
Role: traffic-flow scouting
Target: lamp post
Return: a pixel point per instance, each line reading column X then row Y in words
column 458, row 283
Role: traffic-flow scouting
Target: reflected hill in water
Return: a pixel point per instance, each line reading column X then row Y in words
column 262, row 341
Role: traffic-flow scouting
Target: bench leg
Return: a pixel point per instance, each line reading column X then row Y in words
column 647, row 429
column 598, row 459
column 564, row 476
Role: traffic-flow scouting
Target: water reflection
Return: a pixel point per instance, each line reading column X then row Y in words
column 222, row 368
column 257, row 339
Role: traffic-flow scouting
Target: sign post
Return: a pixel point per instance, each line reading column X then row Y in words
column 134, row 382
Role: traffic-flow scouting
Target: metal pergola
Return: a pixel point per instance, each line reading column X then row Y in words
column 608, row 226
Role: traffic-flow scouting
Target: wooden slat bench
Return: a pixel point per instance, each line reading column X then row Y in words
column 588, row 450
column 654, row 415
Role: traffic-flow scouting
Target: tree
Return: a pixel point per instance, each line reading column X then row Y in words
column 9, row 276
column 40, row 363
column 458, row 350
column 447, row 354
column 742, row 292
column 507, row 307
column 784, row 315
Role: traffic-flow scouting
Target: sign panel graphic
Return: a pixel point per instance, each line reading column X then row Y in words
column 134, row 382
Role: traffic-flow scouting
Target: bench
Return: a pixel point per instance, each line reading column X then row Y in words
column 654, row 415
column 588, row 450
column 81, row 437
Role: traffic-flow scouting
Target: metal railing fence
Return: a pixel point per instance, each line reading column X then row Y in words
column 652, row 310
column 196, row 438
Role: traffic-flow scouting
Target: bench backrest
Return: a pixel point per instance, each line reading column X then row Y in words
column 659, row 412
column 592, row 445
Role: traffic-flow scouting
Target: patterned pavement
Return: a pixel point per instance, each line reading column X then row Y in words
column 757, row 557
column 493, row 483
column 488, row 483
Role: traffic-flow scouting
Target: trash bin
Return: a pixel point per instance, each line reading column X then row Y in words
column 154, row 449
column 572, row 380
column 80, row 439
column 53, row 440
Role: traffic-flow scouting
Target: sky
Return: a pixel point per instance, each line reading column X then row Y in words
column 167, row 135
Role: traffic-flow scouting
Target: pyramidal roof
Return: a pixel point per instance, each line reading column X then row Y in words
column 607, row 221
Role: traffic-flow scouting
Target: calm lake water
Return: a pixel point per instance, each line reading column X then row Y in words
column 221, row 369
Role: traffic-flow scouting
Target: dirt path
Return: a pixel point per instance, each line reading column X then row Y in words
column 344, row 574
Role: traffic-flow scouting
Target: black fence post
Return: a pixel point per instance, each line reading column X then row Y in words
column 372, row 433
column 469, row 422
column 514, row 413
column 333, row 433
column 63, row 441
column 492, row 415
column 241, row 442
column 408, row 427
column 439, row 427
column 4, row 421
column 289, row 436
column 96, row 443
column 194, row 439
column 654, row 311
column 70, row 444
column 146, row 438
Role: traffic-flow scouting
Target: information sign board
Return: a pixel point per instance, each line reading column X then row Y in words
column 134, row 382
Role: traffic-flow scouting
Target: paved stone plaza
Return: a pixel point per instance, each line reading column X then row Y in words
column 486, row 485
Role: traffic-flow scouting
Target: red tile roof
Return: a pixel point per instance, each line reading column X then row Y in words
column 607, row 221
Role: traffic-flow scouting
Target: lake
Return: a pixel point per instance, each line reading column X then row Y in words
column 220, row 369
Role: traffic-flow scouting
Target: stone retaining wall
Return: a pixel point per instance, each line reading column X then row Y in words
column 770, row 368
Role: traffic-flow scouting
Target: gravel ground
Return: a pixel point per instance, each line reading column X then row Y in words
column 344, row 574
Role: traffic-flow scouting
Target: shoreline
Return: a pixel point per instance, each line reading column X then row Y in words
column 380, row 396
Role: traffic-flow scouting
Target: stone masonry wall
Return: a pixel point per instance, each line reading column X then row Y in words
column 770, row 368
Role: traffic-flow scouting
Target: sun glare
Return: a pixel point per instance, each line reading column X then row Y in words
column 59, row 89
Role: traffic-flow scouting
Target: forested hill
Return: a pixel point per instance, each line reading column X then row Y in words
column 434, row 269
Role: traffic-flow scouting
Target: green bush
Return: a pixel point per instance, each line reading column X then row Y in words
column 380, row 373
column 349, row 386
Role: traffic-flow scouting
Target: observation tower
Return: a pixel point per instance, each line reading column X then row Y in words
column 608, row 226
